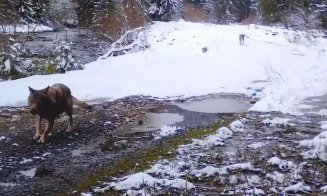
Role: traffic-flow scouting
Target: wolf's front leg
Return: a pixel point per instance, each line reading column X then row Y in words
column 70, row 125
column 47, row 131
column 38, row 128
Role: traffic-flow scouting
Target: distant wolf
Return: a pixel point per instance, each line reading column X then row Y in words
column 49, row 103
column 241, row 38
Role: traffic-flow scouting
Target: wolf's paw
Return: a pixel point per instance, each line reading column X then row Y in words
column 69, row 129
column 36, row 136
column 41, row 140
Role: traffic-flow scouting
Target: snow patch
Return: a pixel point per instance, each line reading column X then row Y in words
column 2, row 138
column 26, row 161
column 323, row 125
column 29, row 173
column 237, row 126
column 257, row 145
column 11, row 29
column 138, row 180
column 323, row 189
column 209, row 142
column 276, row 122
column 282, row 164
column 165, row 131
column 316, row 147
column 224, row 133
column 276, row 177
column 296, row 188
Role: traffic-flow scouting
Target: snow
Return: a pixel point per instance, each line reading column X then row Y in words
column 29, row 173
column 224, row 133
column 237, row 166
column 212, row 171
column 276, row 177
column 3, row 138
column 316, row 147
column 142, row 179
column 26, row 161
column 237, row 126
column 209, row 141
column 324, row 189
column 282, row 164
column 276, row 122
column 11, row 29
column 256, row 145
column 174, row 65
column 166, row 168
column 323, row 125
column 166, row 130
column 86, row 194
column 299, row 187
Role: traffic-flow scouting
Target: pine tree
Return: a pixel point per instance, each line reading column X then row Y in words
column 165, row 10
column 198, row 3
column 7, row 12
column 32, row 11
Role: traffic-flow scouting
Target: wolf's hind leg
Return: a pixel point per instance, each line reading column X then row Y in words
column 70, row 125
column 38, row 128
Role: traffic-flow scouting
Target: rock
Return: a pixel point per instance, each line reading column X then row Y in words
column 43, row 171
column 204, row 49
column 120, row 144
column 253, row 101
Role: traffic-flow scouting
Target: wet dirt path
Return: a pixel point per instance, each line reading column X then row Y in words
column 67, row 159
column 114, row 140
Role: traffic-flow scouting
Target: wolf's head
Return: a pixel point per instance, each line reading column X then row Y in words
column 36, row 99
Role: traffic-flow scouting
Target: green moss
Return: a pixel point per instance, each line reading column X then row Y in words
column 16, row 74
column 144, row 159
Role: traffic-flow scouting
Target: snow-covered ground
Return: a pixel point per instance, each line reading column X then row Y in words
column 281, row 70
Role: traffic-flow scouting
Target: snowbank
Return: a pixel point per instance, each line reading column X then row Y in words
column 11, row 29
column 281, row 74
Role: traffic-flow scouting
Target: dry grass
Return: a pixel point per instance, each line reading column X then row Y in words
column 195, row 14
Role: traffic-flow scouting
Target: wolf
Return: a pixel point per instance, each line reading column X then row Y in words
column 49, row 103
column 241, row 38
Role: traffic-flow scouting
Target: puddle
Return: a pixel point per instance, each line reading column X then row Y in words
column 217, row 104
column 97, row 101
column 92, row 147
column 151, row 122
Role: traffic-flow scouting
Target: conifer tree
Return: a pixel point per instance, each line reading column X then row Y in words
column 165, row 10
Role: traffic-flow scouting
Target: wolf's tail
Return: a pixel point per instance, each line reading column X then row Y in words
column 81, row 103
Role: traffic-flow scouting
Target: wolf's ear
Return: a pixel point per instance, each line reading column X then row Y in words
column 31, row 90
column 46, row 89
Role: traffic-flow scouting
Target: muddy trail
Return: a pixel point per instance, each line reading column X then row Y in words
column 125, row 136
column 69, row 159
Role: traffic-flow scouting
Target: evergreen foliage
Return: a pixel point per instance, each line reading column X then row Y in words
column 109, row 19
column 32, row 11
column 165, row 10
